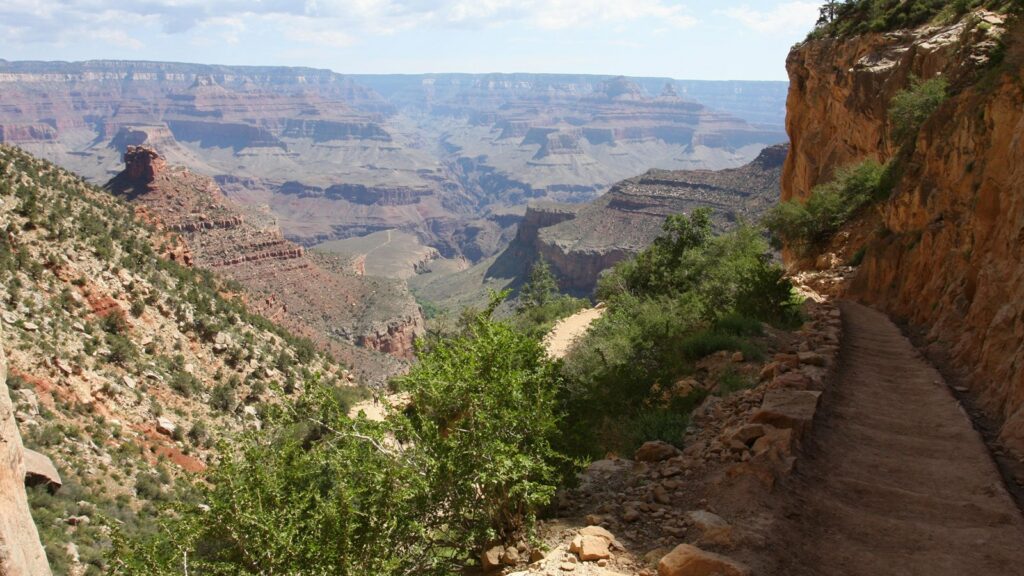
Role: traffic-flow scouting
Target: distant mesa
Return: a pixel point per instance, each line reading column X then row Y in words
column 431, row 155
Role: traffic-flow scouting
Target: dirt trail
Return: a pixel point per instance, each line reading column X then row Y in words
column 896, row 481
column 561, row 338
column 377, row 411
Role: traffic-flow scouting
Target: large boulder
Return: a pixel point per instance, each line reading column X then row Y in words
column 787, row 408
column 590, row 548
column 686, row 560
column 40, row 471
column 655, row 451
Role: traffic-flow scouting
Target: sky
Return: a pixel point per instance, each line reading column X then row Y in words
column 684, row 39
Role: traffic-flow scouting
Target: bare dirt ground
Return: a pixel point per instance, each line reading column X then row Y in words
column 564, row 334
column 896, row 480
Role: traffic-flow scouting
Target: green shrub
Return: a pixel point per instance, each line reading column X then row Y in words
column 122, row 350
column 809, row 225
column 318, row 493
column 852, row 17
column 222, row 397
column 185, row 383
column 666, row 425
column 485, row 413
column 732, row 381
column 689, row 295
column 540, row 304
column 705, row 343
column 909, row 108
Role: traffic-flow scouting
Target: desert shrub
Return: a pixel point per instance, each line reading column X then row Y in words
column 852, row 17
column 809, row 225
column 732, row 381
column 122, row 350
column 689, row 295
column 667, row 424
column 909, row 108
column 185, row 383
column 222, row 397
column 485, row 414
column 318, row 493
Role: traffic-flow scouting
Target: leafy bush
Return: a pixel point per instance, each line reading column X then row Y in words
column 222, row 397
column 484, row 412
column 687, row 296
column 185, row 384
column 809, row 225
column 909, row 109
column 319, row 493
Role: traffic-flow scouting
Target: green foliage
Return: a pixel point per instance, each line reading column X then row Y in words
column 541, row 287
column 665, row 424
column 185, row 383
column 222, row 397
column 687, row 296
column 541, row 305
column 732, row 381
column 122, row 350
column 909, row 109
column 484, row 411
column 841, row 19
column 809, row 225
column 318, row 493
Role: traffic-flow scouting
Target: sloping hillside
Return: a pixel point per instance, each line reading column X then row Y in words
column 125, row 367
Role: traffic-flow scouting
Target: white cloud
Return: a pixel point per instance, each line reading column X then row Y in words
column 782, row 19
column 336, row 21
column 118, row 38
column 322, row 38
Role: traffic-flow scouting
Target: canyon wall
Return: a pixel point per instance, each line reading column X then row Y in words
column 21, row 553
column 245, row 245
column 582, row 241
column 948, row 255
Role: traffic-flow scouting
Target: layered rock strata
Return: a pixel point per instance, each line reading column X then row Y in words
column 582, row 241
column 246, row 246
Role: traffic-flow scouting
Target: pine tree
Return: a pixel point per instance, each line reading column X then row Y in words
column 541, row 288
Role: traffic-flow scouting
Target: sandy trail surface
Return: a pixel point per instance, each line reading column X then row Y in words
column 896, row 481
column 564, row 334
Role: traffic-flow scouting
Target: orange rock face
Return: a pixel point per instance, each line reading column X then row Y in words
column 143, row 163
column 952, row 257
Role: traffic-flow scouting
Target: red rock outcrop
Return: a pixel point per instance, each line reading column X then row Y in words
column 21, row 553
column 143, row 163
column 951, row 258
column 247, row 246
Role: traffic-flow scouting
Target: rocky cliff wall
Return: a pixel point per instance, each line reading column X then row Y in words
column 949, row 254
column 21, row 553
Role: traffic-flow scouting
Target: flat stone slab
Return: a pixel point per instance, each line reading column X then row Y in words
column 40, row 471
column 787, row 408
